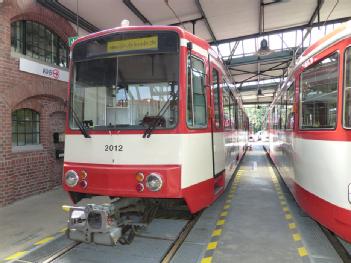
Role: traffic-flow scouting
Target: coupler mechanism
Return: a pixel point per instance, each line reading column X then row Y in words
column 106, row 224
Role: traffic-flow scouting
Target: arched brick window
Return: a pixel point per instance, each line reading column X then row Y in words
column 25, row 127
column 37, row 41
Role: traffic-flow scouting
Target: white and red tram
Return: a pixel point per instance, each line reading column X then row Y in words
column 153, row 117
column 310, row 137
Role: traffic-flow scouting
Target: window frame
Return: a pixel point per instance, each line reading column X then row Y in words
column 194, row 127
column 57, row 43
column 25, row 133
column 344, row 86
column 220, row 125
column 336, row 51
column 293, row 87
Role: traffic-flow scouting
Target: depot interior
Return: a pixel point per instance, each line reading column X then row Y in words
column 258, row 41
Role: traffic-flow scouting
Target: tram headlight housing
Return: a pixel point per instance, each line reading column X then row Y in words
column 154, row 182
column 71, row 178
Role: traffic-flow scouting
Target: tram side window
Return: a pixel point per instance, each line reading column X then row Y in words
column 226, row 108
column 347, row 89
column 283, row 111
column 318, row 94
column 196, row 108
column 275, row 117
column 216, row 98
column 290, row 107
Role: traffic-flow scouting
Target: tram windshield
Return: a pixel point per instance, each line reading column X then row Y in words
column 128, row 89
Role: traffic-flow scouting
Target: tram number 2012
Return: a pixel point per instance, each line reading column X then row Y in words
column 113, row 148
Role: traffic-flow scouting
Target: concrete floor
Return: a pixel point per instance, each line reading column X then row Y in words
column 256, row 229
column 29, row 220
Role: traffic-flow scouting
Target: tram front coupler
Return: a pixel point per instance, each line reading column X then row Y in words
column 105, row 224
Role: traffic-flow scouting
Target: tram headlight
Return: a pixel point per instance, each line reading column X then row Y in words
column 71, row 178
column 154, row 182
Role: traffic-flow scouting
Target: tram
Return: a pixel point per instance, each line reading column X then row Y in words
column 310, row 138
column 153, row 121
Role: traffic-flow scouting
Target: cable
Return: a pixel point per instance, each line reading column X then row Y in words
column 337, row 2
column 174, row 13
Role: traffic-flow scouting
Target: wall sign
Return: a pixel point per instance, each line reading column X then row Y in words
column 36, row 68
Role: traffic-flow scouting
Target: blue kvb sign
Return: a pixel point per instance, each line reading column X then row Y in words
column 34, row 67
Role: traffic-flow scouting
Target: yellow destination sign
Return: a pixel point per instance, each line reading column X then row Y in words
column 133, row 44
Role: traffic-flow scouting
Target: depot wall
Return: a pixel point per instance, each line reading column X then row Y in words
column 29, row 170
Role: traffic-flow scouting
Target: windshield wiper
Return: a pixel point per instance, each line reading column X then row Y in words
column 159, row 116
column 79, row 124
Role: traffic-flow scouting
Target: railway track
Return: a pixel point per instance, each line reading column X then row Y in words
column 166, row 240
column 338, row 245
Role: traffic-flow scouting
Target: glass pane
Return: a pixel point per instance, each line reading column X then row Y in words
column 148, row 83
column 21, row 126
column 21, row 139
column 29, row 126
column 28, row 115
column 290, row 107
column 14, row 139
column 216, row 95
column 35, row 138
column 347, row 89
column 29, row 138
column 35, row 116
column 199, row 100
column 14, row 126
column 226, row 108
column 319, row 85
column 20, row 114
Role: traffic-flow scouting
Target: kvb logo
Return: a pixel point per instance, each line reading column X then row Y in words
column 55, row 73
column 52, row 73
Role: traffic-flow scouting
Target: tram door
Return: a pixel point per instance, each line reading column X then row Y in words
column 217, row 123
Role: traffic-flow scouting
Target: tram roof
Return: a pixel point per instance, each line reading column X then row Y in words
column 220, row 22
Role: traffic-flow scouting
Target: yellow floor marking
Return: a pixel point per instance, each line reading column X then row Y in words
column 212, row 245
column 63, row 230
column 225, row 213
column 302, row 251
column 281, row 197
column 282, row 202
column 230, row 195
column 285, row 209
column 228, row 201
column 288, row 216
column 296, row 237
column 16, row 255
column 217, row 232
column 220, row 222
column 206, row 260
column 292, row 226
column 43, row 241
column 226, row 206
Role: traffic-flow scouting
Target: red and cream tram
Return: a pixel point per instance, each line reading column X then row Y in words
column 153, row 119
column 310, row 136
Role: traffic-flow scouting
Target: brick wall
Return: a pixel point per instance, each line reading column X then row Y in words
column 26, row 173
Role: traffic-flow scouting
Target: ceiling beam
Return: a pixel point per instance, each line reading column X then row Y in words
column 316, row 12
column 268, row 102
column 223, row 41
column 258, row 73
column 248, row 88
column 253, row 59
column 66, row 13
column 198, row 4
column 192, row 21
column 135, row 11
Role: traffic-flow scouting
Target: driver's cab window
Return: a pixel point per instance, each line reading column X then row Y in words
column 196, row 104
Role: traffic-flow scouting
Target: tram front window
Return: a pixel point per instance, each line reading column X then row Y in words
column 126, row 92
